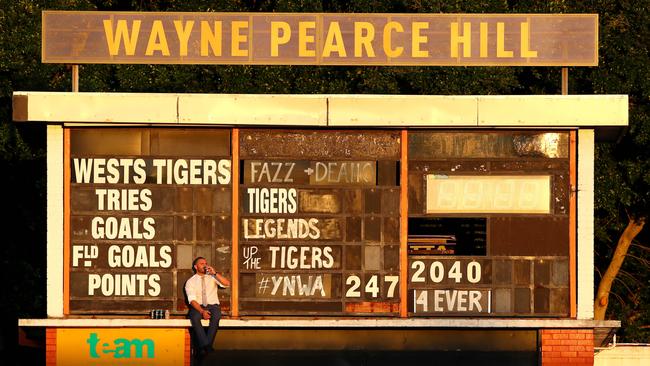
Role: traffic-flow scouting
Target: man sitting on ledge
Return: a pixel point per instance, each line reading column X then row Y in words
column 201, row 290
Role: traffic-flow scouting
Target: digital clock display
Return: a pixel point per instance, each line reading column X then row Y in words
column 488, row 194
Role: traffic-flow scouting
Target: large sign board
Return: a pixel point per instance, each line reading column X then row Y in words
column 113, row 346
column 318, row 220
column 320, row 38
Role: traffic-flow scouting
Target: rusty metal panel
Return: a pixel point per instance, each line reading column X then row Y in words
column 371, row 258
column 184, row 228
column 502, row 300
column 530, row 236
column 353, row 229
column 542, row 300
column 353, row 257
column 550, row 165
column 327, row 145
column 446, row 145
column 190, row 142
column 387, row 173
column 522, row 300
column 391, row 257
column 416, row 194
column 372, row 229
column 204, row 228
column 353, row 201
column 320, row 38
column 502, row 272
column 560, row 194
column 559, row 301
column 522, row 272
column 203, row 200
column 451, row 166
column 372, row 201
column 109, row 141
column 560, row 273
column 542, row 272
column 390, row 231
column 158, row 142
column 390, row 202
column 184, row 200
column 371, row 307
column 317, row 202
column 222, row 228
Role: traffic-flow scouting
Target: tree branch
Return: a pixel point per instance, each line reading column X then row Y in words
column 632, row 229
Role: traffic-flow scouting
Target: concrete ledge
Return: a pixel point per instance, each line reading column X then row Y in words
column 325, row 323
column 320, row 110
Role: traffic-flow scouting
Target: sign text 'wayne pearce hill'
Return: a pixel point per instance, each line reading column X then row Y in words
column 320, row 39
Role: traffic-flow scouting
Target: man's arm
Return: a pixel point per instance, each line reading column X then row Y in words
column 222, row 280
column 205, row 314
column 191, row 297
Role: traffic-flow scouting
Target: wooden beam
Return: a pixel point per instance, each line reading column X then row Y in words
column 403, row 226
column 572, row 225
column 234, row 183
column 66, row 221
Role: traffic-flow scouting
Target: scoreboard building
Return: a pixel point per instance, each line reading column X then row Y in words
column 345, row 222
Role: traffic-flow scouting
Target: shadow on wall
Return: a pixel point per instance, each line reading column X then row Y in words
column 363, row 358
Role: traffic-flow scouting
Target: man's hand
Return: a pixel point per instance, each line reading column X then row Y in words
column 205, row 314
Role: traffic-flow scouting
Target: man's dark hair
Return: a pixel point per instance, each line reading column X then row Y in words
column 194, row 262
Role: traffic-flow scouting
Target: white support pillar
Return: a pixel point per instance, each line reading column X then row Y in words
column 586, row 150
column 55, row 221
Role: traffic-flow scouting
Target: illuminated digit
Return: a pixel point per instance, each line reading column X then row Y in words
column 437, row 272
column 422, row 299
column 355, row 281
column 472, row 193
column 474, row 272
column 393, row 280
column 527, row 195
column 455, row 273
column 373, row 286
column 418, row 266
column 446, row 193
column 503, row 193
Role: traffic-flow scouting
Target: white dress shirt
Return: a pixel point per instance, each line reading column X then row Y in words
column 193, row 289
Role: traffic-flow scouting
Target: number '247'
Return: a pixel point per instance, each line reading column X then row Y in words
column 372, row 286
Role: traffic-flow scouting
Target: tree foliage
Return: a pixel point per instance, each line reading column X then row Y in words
column 622, row 167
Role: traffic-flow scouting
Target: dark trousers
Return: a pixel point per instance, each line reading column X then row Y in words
column 204, row 337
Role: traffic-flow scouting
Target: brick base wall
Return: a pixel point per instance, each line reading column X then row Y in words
column 50, row 346
column 567, row 347
column 188, row 349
